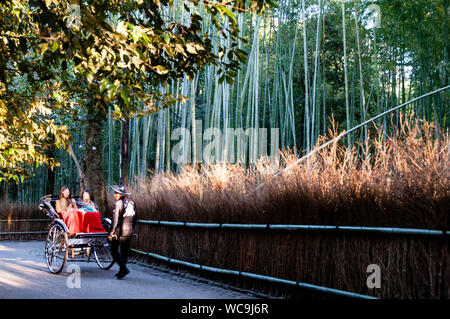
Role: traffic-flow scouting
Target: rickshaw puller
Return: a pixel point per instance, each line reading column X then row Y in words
column 122, row 228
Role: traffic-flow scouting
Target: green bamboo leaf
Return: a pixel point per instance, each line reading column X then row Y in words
column 166, row 38
column 103, row 85
column 90, row 77
column 124, row 96
column 111, row 91
column 55, row 46
column 230, row 15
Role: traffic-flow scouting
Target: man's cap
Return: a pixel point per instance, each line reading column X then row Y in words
column 120, row 189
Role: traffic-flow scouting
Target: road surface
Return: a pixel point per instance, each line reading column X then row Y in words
column 24, row 274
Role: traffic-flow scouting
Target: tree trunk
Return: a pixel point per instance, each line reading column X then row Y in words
column 5, row 194
column 94, row 169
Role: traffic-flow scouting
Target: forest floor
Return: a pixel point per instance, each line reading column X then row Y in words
column 24, row 274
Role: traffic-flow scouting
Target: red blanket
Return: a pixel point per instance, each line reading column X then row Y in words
column 82, row 221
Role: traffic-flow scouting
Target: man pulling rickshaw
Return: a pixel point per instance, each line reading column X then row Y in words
column 123, row 221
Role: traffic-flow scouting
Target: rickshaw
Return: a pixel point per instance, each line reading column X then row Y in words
column 62, row 246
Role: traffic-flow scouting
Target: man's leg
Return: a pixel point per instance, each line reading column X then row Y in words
column 124, row 243
column 125, row 248
column 115, row 247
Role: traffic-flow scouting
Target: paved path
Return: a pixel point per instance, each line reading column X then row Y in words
column 24, row 274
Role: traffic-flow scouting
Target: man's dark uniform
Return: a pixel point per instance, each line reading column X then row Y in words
column 121, row 230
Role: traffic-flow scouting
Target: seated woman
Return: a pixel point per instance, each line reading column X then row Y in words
column 88, row 199
column 67, row 209
column 91, row 215
column 65, row 201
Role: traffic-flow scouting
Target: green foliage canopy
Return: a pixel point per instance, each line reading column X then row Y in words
column 101, row 53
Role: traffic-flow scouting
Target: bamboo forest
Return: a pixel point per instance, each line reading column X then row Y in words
column 310, row 112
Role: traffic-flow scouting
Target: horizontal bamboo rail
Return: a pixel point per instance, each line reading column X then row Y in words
column 384, row 230
column 255, row 276
column 24, row 232
column 24, row 220
column 33, row 220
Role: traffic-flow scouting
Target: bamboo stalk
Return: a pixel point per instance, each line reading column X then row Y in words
column 305, row 59
column 347, row 109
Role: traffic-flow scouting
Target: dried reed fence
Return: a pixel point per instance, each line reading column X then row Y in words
column 396, row 182
column 410, row 267
column 12, row 218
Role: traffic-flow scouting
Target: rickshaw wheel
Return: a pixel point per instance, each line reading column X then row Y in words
column 56, row 249
column 102, row 249
column 102, row 254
